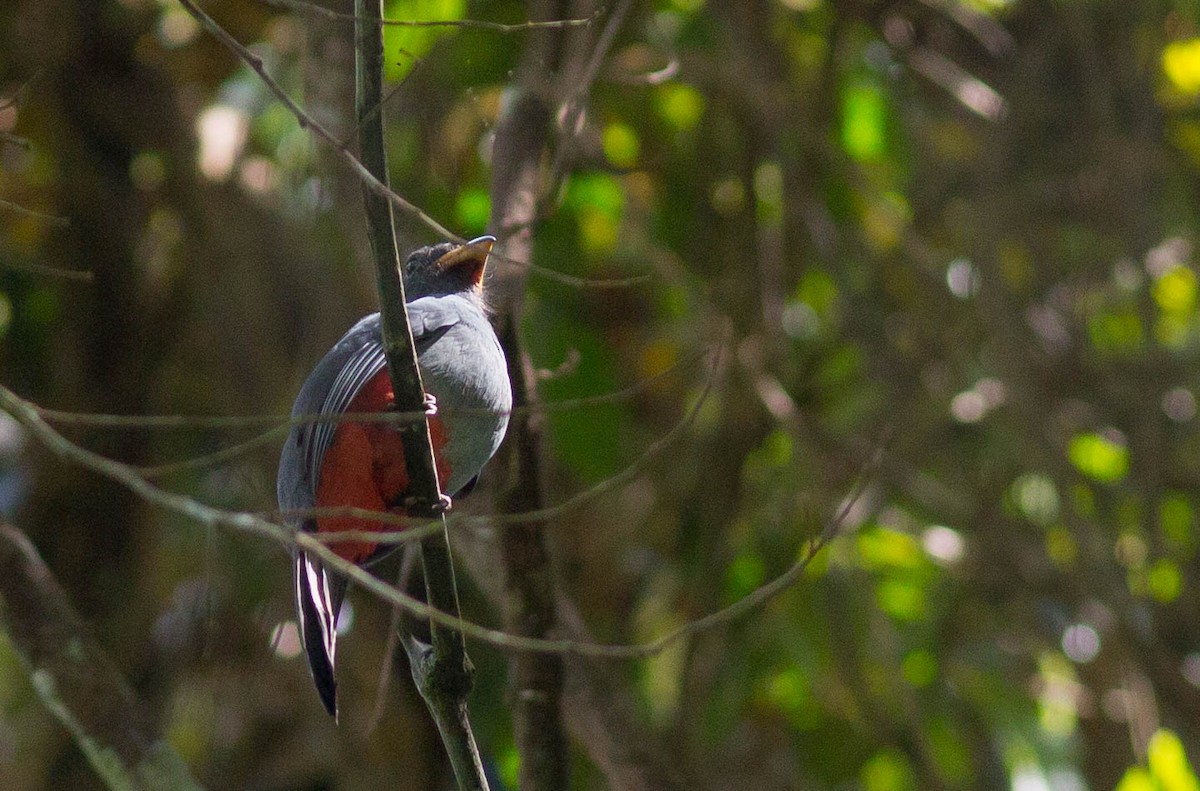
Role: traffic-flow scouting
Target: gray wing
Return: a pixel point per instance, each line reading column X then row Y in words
column 331, row 387
column 329, row 390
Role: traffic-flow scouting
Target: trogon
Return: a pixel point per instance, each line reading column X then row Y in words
column 361, row 464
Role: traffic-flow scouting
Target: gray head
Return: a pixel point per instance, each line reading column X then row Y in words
column 447, row 268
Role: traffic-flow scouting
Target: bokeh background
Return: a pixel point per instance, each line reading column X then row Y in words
column 953, row 236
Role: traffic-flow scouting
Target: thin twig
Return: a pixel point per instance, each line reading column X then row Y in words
column 78, row 275
column 541, row 514
column 255, row 63
column 573, row 106
column 407, row 566
column 218, row 422
column 306, row 121
column 498, row 27
column 15, row 140
column 61, row 222
column 26, row 414
column 217, row 457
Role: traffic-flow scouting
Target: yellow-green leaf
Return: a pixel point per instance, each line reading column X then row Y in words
column 1099, row 457
column 1169, row 764
column 1181, row 64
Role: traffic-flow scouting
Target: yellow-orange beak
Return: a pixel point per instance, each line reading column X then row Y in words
column 471, row 257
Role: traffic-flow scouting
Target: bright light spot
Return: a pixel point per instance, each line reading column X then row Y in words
column 799, row 320
column 345, row 619
column 285, row 640
column 943, row 544
column 962, row 278
column 980, row 97
column 1179, row 404
column 1167, row 256
column 680, row 105
column 177, row 27
column 1037, row 498
column 1029, row 778
column 968, row 407
column 257, row 174
column 1081, row 643
column 993, row 391
column 1066, row 780
column 222, row 133
column 1126, row 275
column 12, row 436
column 1190, row 668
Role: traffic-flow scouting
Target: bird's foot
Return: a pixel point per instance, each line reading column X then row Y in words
column 443, row 504
column 431, row 407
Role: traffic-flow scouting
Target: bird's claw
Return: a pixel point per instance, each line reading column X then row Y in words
column 441, row 506
column 431, row 407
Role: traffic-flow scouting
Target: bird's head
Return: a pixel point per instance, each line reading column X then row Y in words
column 447, row 268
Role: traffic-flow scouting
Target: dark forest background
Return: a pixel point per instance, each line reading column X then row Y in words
column 937, row 256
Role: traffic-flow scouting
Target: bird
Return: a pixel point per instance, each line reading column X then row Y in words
column 361, row 464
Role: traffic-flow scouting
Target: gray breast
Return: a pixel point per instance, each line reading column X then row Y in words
column 466, row 371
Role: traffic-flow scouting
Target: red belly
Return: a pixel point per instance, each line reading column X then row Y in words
column 364, row 468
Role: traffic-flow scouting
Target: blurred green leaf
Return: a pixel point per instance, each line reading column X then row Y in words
column 1116, row 331
column 903, row 599
column 881, row 547
column 621, row 144
column 1177, row 520
column 597, row 201
column 746, row 572
column 919, row 668
column 790, row 691
column 1169, row 764
column 1137, row 779
column 404, row 46
column 864, row 121
column 1175, row 291
column 1165, row 580
column 680, row 105
column 888, row 770
column 1099, row 457
column 473, row 209
column 1181, row 64
column 508, row 763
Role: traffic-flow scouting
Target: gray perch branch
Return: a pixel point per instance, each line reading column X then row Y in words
column 442, row 671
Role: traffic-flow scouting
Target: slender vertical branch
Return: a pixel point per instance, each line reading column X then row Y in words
column 529, row 607
column 523, row 138
column 443, row 672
